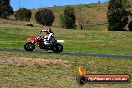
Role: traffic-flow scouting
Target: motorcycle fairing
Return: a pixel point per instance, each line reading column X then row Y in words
column 31, row 39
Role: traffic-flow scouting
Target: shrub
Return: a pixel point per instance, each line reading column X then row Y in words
column 5, row 9
column 23, row 14
column 117, row 15
column 130, row 26
column 45, row 17
column 68, row 19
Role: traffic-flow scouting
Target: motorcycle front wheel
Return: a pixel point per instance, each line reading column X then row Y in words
column 57, row 48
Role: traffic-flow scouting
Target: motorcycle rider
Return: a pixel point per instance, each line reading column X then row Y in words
column 49, row 38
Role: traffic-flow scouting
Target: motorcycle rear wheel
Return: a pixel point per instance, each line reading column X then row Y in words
column 29, row 46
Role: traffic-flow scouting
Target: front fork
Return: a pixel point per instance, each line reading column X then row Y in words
column 33, row 42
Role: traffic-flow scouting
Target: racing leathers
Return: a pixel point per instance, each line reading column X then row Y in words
column 49, row 38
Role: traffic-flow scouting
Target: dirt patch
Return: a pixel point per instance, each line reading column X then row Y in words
column 33, row 61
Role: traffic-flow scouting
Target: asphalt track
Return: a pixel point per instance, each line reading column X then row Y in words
column 71, row 53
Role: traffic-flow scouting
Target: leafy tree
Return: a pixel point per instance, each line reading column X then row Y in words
column 117, row 15
column 45, row 17
column 130, row 26
column 23, row 14
column 5, row 9
column 68, row 18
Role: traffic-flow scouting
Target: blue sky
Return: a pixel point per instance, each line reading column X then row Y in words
column 16, row 4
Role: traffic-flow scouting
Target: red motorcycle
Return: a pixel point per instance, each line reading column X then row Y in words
column 30, row 46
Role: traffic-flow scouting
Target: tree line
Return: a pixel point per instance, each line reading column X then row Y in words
column 43, row 16
column 118, row 15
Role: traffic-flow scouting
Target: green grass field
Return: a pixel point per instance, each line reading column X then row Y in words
column 25, row 70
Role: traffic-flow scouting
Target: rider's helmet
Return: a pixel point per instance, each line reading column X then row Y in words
column 48, row 30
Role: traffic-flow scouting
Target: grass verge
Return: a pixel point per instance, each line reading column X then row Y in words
column 102, row 42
